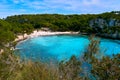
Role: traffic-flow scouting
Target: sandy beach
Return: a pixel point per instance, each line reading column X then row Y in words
column 41, row 33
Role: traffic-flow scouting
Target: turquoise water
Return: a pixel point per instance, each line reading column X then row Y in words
column 61, row 47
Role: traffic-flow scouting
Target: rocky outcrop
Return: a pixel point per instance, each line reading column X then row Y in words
column 112, row 36
column 100, row 24
column 97, row 23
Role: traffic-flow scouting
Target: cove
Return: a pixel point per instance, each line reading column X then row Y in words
column 62, row 47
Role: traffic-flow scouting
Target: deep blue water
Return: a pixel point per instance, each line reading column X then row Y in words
column 61, row 47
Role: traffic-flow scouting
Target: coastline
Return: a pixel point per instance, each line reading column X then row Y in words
column 36, row 33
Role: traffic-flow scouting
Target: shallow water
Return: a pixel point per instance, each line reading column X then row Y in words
column 61, row 47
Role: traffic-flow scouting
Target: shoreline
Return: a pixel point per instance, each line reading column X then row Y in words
column 36, row 33
column 108, row 36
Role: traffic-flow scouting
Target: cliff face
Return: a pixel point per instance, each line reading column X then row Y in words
column 106, row 28
column 101, row 23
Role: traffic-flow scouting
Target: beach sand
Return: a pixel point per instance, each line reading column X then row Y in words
column 41, row 33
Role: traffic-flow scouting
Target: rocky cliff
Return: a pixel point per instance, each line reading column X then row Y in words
column 106, row 28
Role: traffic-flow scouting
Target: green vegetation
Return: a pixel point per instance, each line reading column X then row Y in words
column 12, row 68
column 57, row 22
column 6, row 34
